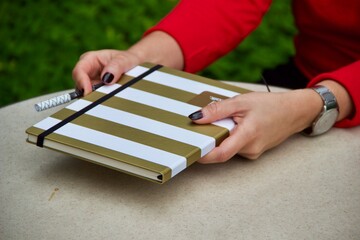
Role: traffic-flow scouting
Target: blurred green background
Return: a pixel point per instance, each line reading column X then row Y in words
column 42, row 40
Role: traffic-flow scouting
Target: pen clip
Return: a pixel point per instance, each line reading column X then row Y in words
column 76, row 94
column 96, row 86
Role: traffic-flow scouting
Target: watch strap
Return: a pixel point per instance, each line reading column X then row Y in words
column 330, row 105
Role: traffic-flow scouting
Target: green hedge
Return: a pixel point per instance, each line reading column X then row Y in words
column 42, row 40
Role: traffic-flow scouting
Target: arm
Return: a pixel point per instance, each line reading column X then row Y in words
column 264, row 120
column 208, row 29
column 193, row 35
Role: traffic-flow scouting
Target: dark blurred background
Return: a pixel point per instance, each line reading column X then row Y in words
column 42, row 40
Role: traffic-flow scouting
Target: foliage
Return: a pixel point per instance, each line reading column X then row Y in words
column 269, row 45
column 42, row 40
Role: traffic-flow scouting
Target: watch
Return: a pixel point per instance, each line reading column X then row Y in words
column 327, row 117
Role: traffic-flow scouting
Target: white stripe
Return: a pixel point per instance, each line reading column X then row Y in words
column 136, row 71
column 153, row 100
column 161, row 102
column 175, row 162
column 108, row 88
column 205, row 143
column 179, row 82
column 158, row 101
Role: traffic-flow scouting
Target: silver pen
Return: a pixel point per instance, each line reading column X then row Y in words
column 62, row 99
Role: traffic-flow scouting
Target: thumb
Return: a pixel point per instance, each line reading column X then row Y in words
column 212, row 112
column 113, row 70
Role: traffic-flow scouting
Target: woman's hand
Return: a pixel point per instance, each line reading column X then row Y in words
column 263, row 120
column 102, row 65
column 108, row 65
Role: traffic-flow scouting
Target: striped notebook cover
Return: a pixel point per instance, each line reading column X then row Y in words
column 139, row 125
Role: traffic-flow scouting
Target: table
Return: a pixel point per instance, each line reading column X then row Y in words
column 306, row 188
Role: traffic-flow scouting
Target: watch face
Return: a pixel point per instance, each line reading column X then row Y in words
column 326, row 121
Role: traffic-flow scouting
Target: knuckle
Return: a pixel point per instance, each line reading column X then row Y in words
column 74, row 73
column 251, row 133
column 212, row 108
column 86, row 54
column 251, row 157
column 119, row 62
column 254, row 152
column 223, row 156
column 118, row 59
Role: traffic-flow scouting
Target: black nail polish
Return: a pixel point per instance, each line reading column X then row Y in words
column 107, row 78
column 196, row 115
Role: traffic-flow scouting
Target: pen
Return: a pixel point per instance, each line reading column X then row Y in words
column 62, row 99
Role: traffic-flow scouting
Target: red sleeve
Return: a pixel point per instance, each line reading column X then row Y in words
column 349, row 77
column 209, row 29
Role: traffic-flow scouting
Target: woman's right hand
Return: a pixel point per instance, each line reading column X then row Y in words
column 102, row 65
column 108, row 65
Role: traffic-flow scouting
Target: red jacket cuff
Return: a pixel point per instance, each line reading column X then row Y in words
column 349, row 77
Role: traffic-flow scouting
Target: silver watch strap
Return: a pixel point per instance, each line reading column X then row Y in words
column 327, row 117
column 327, row 97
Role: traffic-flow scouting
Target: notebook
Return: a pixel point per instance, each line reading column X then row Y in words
column 139, row 125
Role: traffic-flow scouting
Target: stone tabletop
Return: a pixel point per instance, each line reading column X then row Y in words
column 306, row 188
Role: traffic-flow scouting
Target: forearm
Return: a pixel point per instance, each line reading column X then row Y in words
column 207, row 30
column 159, row 47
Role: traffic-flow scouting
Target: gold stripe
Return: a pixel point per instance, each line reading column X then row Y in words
column 148, row 65
column 199, row 78
column 191, row 153
column 159, row 89
column 190, row 76
column 219, row 133
column 165, row 91
column 111, row 154
column 34, row 131
column 124, row 79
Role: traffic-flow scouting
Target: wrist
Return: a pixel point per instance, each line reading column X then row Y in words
column 305, row 105
column 309, row 105
column 159, row 47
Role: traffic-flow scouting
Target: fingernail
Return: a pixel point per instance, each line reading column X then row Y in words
column 107, row 78
column 196, row 115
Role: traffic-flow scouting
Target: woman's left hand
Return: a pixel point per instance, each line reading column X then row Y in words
column 263, row 120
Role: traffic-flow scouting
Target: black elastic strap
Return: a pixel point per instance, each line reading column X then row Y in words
column 41, row 137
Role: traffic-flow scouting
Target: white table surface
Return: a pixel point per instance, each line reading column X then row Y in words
column 306, row 188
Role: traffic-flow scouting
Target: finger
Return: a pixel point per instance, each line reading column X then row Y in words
column 119, row 64
column 88, row 69
column 227, row 149
column 82, row 78
column 215, row 111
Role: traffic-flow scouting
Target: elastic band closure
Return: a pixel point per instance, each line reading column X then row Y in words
column 41, row 137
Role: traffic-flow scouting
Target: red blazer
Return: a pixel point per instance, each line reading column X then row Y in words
column 327, row 44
